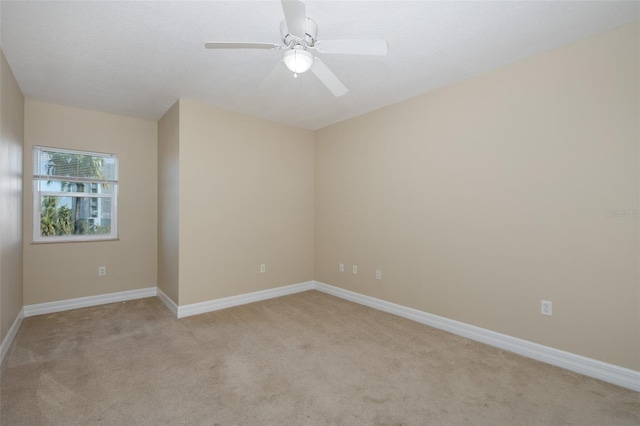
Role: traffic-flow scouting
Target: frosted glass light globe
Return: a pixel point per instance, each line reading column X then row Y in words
column 298, row 60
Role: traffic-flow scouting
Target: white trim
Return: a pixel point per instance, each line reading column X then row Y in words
column 241, row 299
column 83, row 302
column 611, row 373
column 168, row 302
column 11, row 334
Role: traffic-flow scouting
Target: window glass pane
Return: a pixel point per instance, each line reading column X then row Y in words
column 74, row 216
column 75, row 193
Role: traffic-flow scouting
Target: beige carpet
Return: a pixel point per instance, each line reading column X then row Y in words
column 305, row 359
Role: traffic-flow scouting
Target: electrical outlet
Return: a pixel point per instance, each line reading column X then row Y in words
column 342, row 267
column 355, row 270
column 263, row 268
column 546, row 308
column 378, row 274
column 102, row 271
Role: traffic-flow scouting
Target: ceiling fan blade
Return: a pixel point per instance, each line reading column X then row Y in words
column 295, row 15
column 328, row 78
column 240, row 45
column 269, row 81
column 353, row 47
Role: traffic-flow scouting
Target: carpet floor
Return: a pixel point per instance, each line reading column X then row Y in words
column 304, row 359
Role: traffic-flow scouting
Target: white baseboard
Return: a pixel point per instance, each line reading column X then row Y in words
column 11, row 334
column 168, row 302
column 620, row 376
column 241, row 299
column 84, row 302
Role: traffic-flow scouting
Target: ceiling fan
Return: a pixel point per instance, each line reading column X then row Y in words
column 299, row 41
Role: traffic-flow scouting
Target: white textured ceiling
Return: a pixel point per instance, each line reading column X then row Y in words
column 136, row 58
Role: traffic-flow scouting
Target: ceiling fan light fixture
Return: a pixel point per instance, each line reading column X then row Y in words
column 298, row 60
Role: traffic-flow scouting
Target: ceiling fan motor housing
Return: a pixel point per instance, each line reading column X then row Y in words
column 310, row 37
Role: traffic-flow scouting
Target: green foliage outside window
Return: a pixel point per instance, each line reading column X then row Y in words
column 55, row 220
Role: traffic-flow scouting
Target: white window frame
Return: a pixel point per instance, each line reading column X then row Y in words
column 38, row 194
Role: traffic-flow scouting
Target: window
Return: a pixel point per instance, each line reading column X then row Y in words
column 74, row 195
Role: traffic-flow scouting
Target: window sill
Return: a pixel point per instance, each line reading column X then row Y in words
column 79, row 240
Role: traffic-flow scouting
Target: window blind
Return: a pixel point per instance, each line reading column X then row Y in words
column 74, row 166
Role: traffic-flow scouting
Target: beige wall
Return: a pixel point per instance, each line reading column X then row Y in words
column 480, row 199
column 169, row 202
column 11, row 141
column 246, row 198
column 69, row 270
